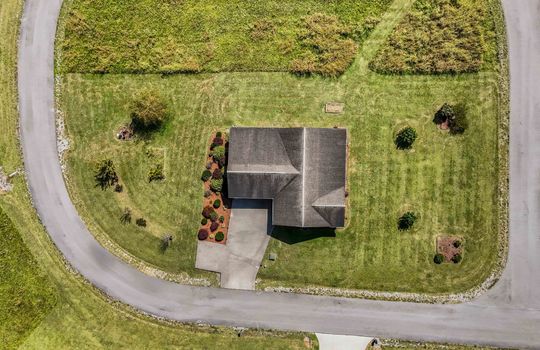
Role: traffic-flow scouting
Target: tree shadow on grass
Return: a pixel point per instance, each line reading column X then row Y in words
column 293, row 235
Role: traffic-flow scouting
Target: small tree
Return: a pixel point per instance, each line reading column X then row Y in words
column 126, row 216
column 438, row 259
column 443, row 114
column 405, row 138
column 406, row 221
column 105, row 175
column 148, row 111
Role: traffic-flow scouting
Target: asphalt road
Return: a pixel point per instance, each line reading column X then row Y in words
column 507, row 316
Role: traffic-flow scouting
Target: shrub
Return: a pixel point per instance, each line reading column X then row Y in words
column 204, row 221
column 148, row 111
column 458, row 123
column 213, row 216
column 207, row 212
column 206, row 175
column 141, row 222
column 443, row 114
column 166, row 241
column 105, row 175
column 220, row 236
column 218, row 153
column 125, row 218
column 438, row 259
column 457, row 244
column 214, row 226
column 222, row 219
column 217, row 203
column 156, row 173
column 406, row 138
column 203, row 234
column 329, row 48
column 216, row 185
column 118, row 188
column 456, row 259
column 217, row 142
column 406, row 221
column 219, row 134
column 217, row 174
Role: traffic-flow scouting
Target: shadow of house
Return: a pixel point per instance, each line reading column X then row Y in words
column 293, row 235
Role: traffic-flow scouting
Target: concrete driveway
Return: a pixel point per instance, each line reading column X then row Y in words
column 238, row 261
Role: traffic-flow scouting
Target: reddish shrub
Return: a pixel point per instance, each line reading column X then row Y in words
column 214, row 216
column 218, row 141
column 217, row 174
column 214, row 226
column 207, row 212
column 202, row 235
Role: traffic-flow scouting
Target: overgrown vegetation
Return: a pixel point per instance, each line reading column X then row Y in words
column 150, row 36
column 26, row 295
column 440, row 36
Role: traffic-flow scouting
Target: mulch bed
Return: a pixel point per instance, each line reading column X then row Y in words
column 225, row 208
column 445, row 246
column 444, row 126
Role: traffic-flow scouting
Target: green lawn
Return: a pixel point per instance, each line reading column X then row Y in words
column 449, row 181
column 45, row 306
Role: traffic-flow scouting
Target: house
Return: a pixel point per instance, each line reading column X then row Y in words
column 302, row 170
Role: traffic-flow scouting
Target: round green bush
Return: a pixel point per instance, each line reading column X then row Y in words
column 222, row 219
column 204, row 221
column 220, row 236
column 456, row 259
column 148, row 111
column 438, row 259
column 217, row 203
column 406, row 221
column 206, row 175
column 406, row 138
column 218, row 134
column 213, row 216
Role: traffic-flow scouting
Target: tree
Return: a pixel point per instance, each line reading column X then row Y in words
column 406, row 138
column 438, row 259
column 443, row 114
column 148, row 111
column 105, row 174
column 406, row 221
column 126, row 216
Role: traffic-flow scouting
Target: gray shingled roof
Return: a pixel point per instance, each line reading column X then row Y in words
column 301, row 169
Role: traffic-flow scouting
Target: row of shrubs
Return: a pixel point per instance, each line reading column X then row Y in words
column 455, row 116
column 203, row 235
column 439, row 258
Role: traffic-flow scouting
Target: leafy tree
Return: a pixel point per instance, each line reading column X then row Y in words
column 443, row 114
column 406, row 221
column 148, row 111
column 406, row 138
column 105, row 175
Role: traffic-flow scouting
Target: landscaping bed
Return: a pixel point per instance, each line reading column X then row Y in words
column 450, row 248
column 216, row 206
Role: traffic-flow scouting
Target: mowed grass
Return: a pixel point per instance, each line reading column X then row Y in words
column 450, row 182
column 127, row 36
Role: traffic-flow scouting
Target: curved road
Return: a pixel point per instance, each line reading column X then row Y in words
column 508, row 315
